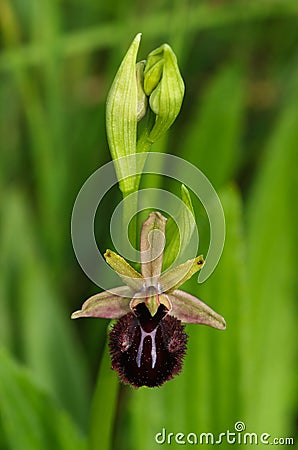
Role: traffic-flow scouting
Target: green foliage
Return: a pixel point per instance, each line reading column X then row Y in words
column 30, row 419
column 38, row 322
column 105, row 397
column 238, row 124
column 272, row 292
column 213, row 137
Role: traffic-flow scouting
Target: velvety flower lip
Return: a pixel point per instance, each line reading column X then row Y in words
column 146, row 350
column 148, row 343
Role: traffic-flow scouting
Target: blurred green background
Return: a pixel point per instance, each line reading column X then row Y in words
column 239, row 124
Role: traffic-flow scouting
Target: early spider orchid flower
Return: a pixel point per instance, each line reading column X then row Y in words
column 148, row 342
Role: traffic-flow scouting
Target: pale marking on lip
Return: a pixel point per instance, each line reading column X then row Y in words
column 152, row 335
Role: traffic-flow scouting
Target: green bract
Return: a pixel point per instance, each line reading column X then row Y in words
column 121, row 117
column 180, row 233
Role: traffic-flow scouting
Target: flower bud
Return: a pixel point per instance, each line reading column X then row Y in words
column 142, row 97
column 164, row 85
column 153, row 76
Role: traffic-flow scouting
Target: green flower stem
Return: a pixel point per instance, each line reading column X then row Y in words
column 104, row 406
column 156, row 82
column 143, row 146
column 130, row 206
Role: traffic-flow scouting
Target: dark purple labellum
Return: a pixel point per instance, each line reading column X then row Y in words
column 146, row 350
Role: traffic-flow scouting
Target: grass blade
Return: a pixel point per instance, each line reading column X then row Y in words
column 25, row 409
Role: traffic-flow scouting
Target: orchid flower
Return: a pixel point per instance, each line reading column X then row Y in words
column 148, row 342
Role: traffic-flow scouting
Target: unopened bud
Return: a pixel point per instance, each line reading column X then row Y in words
column 142, row 97
column 164, row 84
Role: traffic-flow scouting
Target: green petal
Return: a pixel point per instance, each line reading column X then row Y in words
column 111, row 304
column 152, row 246
column 174, row 278
column 128, row 274
column 190, row 309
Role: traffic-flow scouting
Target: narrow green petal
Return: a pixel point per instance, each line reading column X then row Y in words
column 190, row 309
column 174, row 278
column 152, row 246
column 108, row 304
column 128, row 274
